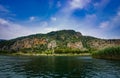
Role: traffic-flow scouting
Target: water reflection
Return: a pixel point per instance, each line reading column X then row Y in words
column 58, row 67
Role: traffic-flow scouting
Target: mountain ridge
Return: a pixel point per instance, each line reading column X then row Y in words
column 62, row 39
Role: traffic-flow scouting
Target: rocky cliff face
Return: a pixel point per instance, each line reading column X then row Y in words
column 101, row 44
column 52, row 44
column 28, row 43
column 56, row 40
column 76, row 45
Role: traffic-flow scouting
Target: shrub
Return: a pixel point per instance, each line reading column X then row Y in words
column 111, row 52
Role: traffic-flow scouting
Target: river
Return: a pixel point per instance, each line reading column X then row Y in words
column 57, row 67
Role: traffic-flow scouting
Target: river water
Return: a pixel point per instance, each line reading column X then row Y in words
column 57, row 67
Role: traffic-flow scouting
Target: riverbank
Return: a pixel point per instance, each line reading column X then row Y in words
column 38, row 54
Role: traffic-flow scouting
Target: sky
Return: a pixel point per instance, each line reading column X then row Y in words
column 98, row 18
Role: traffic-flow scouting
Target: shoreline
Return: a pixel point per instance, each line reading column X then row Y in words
column 38, row 54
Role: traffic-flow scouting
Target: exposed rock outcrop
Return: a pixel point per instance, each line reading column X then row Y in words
column 76, row 45
column 27, row 43
column 52, row 44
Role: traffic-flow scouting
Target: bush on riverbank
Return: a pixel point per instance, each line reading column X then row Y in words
column 70, row 51
column 108, row 53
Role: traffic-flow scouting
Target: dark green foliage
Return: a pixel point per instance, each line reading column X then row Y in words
column 6, row 43
column 108, row 51
column 7, row 52
column 69, row 51
column 111, row 52
column 86, row 39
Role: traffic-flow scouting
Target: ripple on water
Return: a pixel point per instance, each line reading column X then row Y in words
column 57, row 67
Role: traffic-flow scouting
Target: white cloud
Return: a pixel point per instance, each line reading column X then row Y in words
column 101, row 4
column 107, row 29
column 44, row 24
column 90, row 19
column 104, row 24
column 53, row 18
column 72, row 5
column 5, row 12
column 118, row 13
column 32, row 18
column 50, row 29
column 3, row 22
column 10, row 30
column 79, row 4
column 113, row 22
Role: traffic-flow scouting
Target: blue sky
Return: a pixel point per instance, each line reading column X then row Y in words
column 98, row 18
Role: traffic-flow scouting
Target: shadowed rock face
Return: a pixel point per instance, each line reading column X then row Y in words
column 57, row 39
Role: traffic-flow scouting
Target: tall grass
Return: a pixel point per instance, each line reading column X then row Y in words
column 108, row 53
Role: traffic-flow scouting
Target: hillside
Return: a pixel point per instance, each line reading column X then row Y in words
column 56, row 40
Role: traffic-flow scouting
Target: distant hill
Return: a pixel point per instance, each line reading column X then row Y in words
column 63, row 39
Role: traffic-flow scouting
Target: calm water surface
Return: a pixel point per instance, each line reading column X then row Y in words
column 57, row 67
